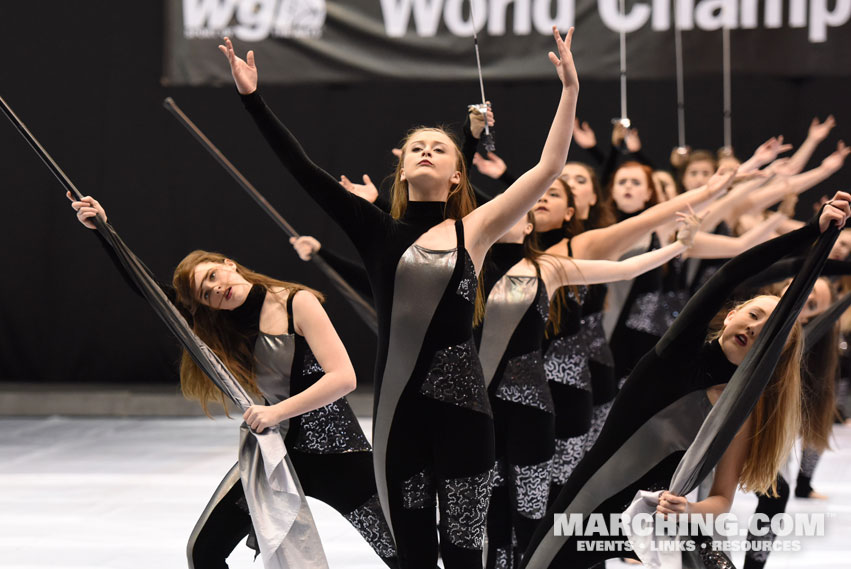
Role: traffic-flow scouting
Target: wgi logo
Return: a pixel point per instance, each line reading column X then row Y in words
column 253, row 20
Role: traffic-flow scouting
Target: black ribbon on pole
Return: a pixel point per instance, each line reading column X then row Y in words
column 753, row 374
column 362, row 307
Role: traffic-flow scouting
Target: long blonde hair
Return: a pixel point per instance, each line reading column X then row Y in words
column 776, row 415
column 460, row 201
column 231, row 344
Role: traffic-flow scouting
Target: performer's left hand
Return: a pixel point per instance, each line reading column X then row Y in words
column 671, row 504
column 261, row 417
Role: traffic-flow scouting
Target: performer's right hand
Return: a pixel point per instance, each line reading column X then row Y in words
column 86, row 209
column 244, row 71
column 836, row 211
column 306, row 246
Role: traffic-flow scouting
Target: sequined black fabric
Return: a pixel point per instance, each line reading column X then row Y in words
column 532, row 489
column 418, row 491
column 595, row 337
column 498, row 479
column 469, row 282
column 311, row 366
column 465, row 504
column 368, row 519
column 503, row 559
column 598, row 419
column 524, row 383
column 566, row 362
column 331, row 429
column 654, row 312
column 455, row 376
column 567, row 455
column 542, row 303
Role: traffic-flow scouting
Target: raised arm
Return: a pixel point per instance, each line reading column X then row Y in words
column 691, row 324
column 815, row 135
column 613, row 241
column 490, row 221
column 711, row 246
column 353, row 273
column 310, row 321
column 561, row 271
column 350, row 212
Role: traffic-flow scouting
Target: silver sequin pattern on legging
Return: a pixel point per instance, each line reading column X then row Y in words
column 566, row 362
column 523, row 382
column 331, row 429
column 455, row 376
column 654, row 312
column 567, row 455
column 498, row 478
column 595, row 335
column 368, row 519
column 503, row 559
column 464, row 508
column 531, row 488
column 418, row 491
column 598, row 419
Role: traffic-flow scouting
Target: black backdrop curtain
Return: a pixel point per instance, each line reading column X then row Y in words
column 85, row 78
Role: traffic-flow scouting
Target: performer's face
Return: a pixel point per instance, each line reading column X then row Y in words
column 697, row 174
column 666, row 188
column 579, row 181
column 817, row 302
column 743, row 325
column 842, row 248
column 552, row 210
column 630, row 190
column 429, row 158
column 219, row 285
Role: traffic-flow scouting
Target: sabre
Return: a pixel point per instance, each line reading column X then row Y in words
column 727, row 150
column 487, row 138
column 623, row 120
column 363, row 308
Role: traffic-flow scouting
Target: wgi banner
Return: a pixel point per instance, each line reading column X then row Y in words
column 356, row 40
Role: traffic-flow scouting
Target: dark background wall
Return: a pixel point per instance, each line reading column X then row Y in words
column 85, row 78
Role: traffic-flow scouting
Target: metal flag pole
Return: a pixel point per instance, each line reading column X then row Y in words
column 487, row 139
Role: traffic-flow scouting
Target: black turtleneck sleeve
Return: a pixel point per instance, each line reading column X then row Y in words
column 355, row 216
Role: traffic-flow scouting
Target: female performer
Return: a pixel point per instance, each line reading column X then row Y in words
column 433, row 428
column 276, row 339
column 664, row 401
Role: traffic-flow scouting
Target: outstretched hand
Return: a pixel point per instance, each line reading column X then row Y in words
column 492, row 166
column 564, row 60
column 836, row 211
column 689, row 225
column 86, row 209
column 366, row 191
column 819, row 131
column 765, row 153
column 721, row 181
column 837, row 157
column 305, row 246
column 583, row 134
column 244, row 71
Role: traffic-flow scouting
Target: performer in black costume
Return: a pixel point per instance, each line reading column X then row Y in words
column 433, row 431
column 277, row 363
column 517, row 277
column 664, row 401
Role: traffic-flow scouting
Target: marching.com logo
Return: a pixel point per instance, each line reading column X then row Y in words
column 256, row 20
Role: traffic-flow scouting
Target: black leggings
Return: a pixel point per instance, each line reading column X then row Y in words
column 760, row 547
column 524, row 449
column 343, row 481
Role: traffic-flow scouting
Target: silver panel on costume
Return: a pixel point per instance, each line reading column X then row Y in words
column 421, row 279
column 508, row 301
column 670, row 430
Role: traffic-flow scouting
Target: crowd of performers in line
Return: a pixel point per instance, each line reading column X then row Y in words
column 512, row 382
